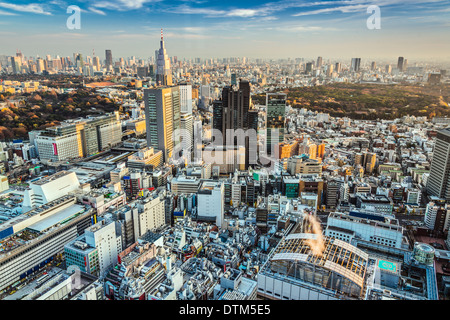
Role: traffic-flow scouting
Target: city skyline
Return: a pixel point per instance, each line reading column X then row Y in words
column 224, row 153
column 276, row 29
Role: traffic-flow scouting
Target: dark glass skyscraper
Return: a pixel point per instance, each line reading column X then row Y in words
column 400, row 63
column 109, row 59
column 233, row 112
column 439, row 181
column 356, row 64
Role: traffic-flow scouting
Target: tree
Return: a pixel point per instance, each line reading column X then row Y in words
column 20, row 131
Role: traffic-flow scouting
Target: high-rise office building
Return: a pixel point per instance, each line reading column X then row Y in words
column 338, row 67
column 319, row 62
column 163, row 70
column 218, row 115
column 96, row 63
column 79, row 60
column 329, row 70
column 187, row 135
column 233, row 112
column 80, row 138
column 211, row 202
column 109, row 59
column 185, row 98
column 233, row 79
column 40, row 65
column 388, row 68
column 162, row 116
column 234, row 107
column 400, row 63
column 370, row 161
column 373, row 66
column 437, row 215
column 276, row 110
column 16, row 67
column 103, row 237
column 439, row 181
column 356, row 64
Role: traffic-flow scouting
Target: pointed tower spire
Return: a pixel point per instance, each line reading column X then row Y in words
column 162, row 36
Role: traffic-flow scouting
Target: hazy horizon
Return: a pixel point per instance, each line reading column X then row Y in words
column 210, row 28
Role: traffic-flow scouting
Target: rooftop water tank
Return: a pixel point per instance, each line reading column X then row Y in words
column 424, row 253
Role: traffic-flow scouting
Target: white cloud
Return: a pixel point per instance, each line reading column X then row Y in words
column 31, row 8
column 97, row 11
column 184, row 9
column 122, row 5
column 344, row 9
column 348, row 6
column 243, row 13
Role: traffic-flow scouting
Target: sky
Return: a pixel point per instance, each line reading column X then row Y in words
column 333, row 29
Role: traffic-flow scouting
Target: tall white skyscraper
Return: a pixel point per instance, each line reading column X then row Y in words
column 103, row 237
column 187, row 138
column 210, row 202
column 186, row 98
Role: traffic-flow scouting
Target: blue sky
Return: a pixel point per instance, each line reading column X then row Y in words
column 419, row 29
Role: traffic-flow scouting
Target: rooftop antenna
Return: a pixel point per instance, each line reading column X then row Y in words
column 162, row 37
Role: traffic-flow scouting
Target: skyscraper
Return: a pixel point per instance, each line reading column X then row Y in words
column 370, row 161
column 400, row 63
column 374, row 66
column 109, row 59
column 356, row 64
column 185, row 98
column 15, row 65
column 96, row 63
column 187, row 135
column 162, row 118
column 233, row 79
column 439, row 181
column 319, row 62
column 163, row 71
column 40, row 65
column 233, row 112
column 233, row 108
column 388, row 68
column 79, row 60
column 329, row 70
column 276, row 110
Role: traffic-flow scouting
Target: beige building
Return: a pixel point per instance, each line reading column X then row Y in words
column 299, row 165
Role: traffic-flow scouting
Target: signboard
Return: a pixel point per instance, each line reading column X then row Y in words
column 386, row 265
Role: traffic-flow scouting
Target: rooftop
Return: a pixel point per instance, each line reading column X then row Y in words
column 59, row 217
column 51, row 178
column 337, row 256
